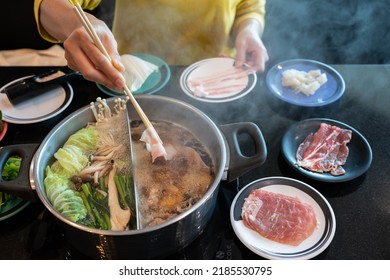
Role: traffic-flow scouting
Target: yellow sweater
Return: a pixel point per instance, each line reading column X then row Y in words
column 180, row 32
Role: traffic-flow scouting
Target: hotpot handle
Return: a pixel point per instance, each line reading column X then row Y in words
column 239, row 164
column 20, row 186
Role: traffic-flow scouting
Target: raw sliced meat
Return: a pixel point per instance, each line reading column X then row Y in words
column 278, row 217
column 154, row 144
column 326, row 150
column 224, row 82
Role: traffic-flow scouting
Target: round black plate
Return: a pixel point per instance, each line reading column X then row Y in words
column 358, row 161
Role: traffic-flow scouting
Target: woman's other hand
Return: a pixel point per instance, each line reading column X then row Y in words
column 249, row 46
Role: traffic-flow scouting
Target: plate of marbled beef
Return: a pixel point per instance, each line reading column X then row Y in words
column 283, row 218
column 326, row 150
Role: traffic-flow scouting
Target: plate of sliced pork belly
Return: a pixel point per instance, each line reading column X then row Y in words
column 326, row 150
column 283, row 218
column 217, row 80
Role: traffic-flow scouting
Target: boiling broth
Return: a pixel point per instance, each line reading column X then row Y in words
column 169, row 187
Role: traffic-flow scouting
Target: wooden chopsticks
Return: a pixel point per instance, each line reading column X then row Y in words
column 88, row 26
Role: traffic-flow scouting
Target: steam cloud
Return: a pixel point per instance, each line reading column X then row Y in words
column 334, row 31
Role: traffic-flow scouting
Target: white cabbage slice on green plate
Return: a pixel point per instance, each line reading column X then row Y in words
column 136, row 71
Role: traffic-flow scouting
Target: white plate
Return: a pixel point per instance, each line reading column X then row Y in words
column 213, row 66
column 36, row 109
column 329, row 92
column 309, row 248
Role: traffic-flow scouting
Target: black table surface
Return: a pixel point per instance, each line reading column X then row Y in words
column 361, row 206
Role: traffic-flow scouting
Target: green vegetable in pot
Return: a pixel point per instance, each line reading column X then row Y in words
column 85, row 139
column 89, row 181
column 73, row 156
column 60, row 192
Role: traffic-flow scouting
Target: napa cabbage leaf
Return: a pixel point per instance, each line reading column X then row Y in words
column 60, row 192
column 73, row 156
column 86, row 139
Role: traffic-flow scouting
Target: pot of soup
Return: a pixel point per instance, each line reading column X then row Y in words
column 172, row 200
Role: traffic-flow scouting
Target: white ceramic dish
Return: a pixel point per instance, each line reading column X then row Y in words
column 235, row 89
column 309, row 248
column 36, row 109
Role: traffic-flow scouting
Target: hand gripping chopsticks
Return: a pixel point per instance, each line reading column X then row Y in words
column 88, row 26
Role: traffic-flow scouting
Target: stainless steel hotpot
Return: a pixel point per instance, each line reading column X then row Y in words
column 165, row 238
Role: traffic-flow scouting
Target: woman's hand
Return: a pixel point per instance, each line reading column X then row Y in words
column 59, row 20
column 84, row 56
column 249, row 46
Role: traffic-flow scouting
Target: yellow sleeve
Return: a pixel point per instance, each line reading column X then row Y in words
column 85, row 4
column 254, row 9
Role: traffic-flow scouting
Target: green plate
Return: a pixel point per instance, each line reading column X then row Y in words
column 12, row 207
column 156, row 81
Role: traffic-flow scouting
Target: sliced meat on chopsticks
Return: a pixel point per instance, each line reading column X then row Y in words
column 326, row 150
column 155, row 145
